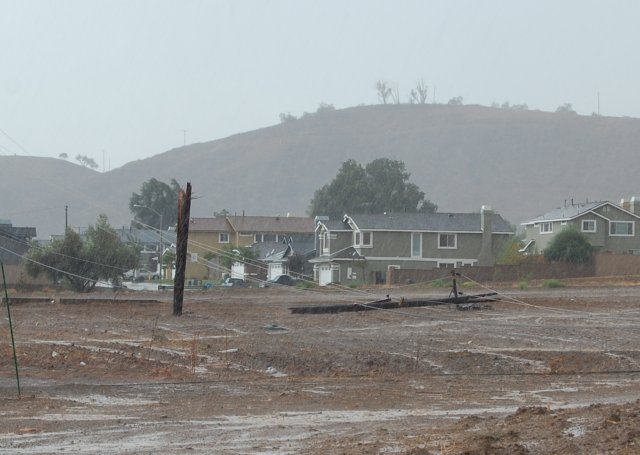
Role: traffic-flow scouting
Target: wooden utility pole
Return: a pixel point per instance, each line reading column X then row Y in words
column 182, row 234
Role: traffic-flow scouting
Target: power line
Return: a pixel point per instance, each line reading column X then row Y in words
column 24, row 150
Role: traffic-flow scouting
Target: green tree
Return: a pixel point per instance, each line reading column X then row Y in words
column 381, row 186
column 231, row 254
column 101, row 256
column 569, row 246
column 156, row 202
column 511, row 254
column 222, row 213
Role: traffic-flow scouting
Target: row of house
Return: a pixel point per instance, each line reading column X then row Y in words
column 608, row 227
column 273, row 240
column 365, row 247
column 354, row 248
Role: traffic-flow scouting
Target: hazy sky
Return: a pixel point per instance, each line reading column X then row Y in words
column 127, row 77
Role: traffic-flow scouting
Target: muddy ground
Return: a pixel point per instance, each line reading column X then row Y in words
column 541, row 371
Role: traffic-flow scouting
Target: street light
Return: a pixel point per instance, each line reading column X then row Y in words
column 161, row 224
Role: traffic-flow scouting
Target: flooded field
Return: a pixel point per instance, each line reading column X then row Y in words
column 537, row 372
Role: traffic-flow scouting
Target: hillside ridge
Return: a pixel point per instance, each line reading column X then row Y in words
column 522, row 163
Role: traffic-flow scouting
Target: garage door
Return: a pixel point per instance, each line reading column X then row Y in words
column 324, row 275
column 275, row 270
column 237, row 270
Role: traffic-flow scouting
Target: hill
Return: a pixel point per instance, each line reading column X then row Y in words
column 522, row 163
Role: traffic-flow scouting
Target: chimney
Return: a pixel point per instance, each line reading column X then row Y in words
column 486, row 257
column 634, row 205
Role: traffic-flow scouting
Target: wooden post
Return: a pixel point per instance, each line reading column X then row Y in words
column 182, row 234
column 13, row 341
column 455, row 284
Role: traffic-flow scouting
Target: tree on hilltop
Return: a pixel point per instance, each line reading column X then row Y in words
column 87, row 161
column 418, row 95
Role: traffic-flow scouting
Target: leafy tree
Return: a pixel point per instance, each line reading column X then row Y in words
column 569, row 246
column 324, row 108
column 381, row 186
column 418, row 95
column 384, row 91
column 222, row 213
column 456, row 101
column 82, row 263
column 87, row 161
column 231, row 254
column 156, row 198
column 286, row 117
column 566, row 108
column 63, row 156
column 511, row 254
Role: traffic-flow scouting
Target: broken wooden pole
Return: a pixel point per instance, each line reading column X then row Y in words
column 182, row 236
column 388, row 304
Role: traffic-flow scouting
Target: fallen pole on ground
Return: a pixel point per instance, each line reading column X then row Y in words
column 388, row 304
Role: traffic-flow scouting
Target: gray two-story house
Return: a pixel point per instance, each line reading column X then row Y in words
column 607, row 226
column 362, row 248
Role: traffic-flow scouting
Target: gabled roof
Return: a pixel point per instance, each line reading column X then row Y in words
column 334, row 225
column 272, row 224
column 429, row 222
column 572, row 211
column 348, row 253
column 217, row 224
column 278, row 256
column 266, row 249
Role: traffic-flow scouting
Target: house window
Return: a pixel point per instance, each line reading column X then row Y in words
column 546, row 228
column 416, row 244
column 447, row 241
column 362, row 239
column 588, row 225
column 367, row 239
column 223, row 237
column 622, row 228
column 324, row 242
column 194, row 257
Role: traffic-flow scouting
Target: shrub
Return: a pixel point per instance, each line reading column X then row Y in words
column 553, row 283
column 306, row 284
column 569, row 246
column 437, row 283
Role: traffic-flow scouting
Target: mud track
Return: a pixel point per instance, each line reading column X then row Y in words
column 542, row 371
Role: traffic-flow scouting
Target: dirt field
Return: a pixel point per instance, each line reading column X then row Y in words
column 541, row 371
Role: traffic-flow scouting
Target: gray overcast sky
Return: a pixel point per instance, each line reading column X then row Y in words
column 127, row 77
